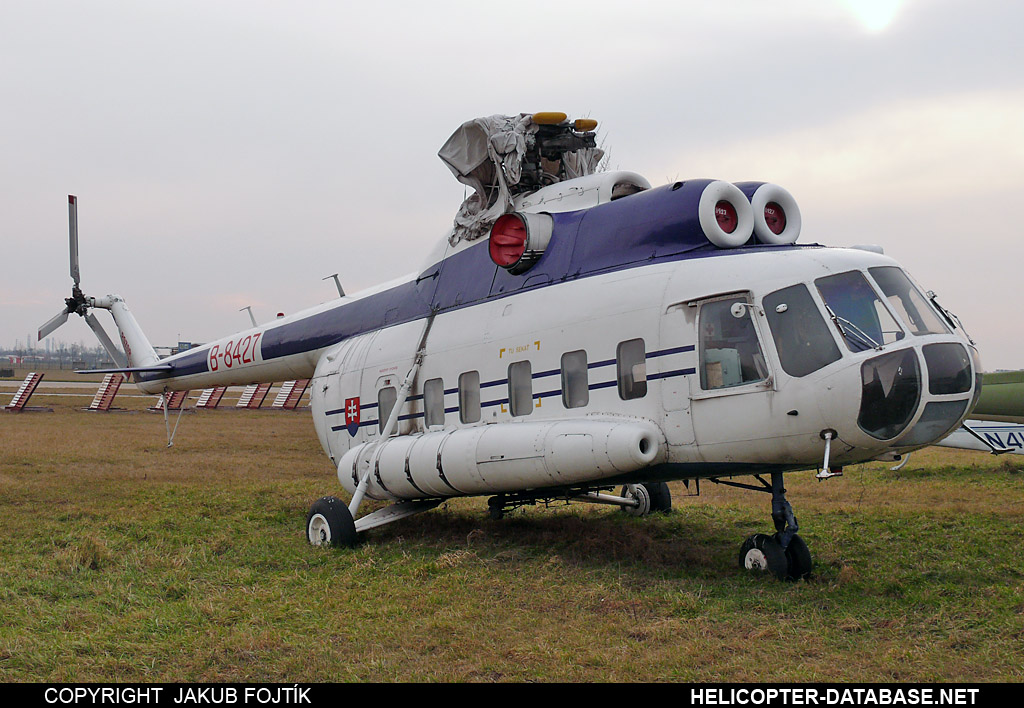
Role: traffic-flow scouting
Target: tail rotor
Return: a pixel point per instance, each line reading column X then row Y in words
column 78, row 303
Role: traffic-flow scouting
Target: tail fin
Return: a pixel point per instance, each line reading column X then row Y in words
column 138, row 351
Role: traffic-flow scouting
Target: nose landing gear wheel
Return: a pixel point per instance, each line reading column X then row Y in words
column 798, row 557
column 761, row 553
column 329, row 523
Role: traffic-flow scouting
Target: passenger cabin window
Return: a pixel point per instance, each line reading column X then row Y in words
column 907, row 300
column 730, row 353
column 386, row 399
column 801, row 334
column 631, row 365
column 861, row 318
column 575, row 385
column 469, row 397
column 520, row 388
column 433, row 402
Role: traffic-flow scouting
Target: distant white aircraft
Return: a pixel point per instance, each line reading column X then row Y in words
column 578, row 331
column 987, row 436
column 997, row 424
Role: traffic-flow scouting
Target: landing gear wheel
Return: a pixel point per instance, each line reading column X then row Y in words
column 762, row 552
column 661, row 497
column 798, row 559
column 643, row 498
column 496, row 508
column 329, row 523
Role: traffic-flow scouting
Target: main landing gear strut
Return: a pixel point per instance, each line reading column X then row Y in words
column 784, row 554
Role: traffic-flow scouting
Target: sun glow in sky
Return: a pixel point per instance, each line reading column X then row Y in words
column 874, row 15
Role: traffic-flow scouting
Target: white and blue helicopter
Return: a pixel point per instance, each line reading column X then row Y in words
column 582, row 336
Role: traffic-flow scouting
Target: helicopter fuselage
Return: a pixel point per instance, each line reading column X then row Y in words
column 633, row 350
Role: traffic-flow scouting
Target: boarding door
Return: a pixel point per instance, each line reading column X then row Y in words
column 732, row 389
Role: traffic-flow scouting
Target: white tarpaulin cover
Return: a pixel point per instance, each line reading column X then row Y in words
column 487, row 155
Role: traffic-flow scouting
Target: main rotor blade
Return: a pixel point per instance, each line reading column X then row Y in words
column 53, row 324
column 101, row 334
column 73, row 236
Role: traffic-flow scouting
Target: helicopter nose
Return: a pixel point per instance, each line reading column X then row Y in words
column 894, row 386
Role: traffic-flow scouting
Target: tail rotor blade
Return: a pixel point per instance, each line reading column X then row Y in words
column 73, row 236
column 101, row 334
column 53, row 324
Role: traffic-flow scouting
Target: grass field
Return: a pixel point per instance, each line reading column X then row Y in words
column 124, row 560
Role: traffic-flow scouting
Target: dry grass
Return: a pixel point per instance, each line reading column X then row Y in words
column 126, row 560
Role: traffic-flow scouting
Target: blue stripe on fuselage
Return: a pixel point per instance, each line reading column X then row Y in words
column 655, row 226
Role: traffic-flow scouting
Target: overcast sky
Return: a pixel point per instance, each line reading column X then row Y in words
column 234, row 153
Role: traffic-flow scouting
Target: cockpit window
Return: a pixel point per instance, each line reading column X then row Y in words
column 730, row 354
column 907, row 300
column 861, row 318
column 801, row 336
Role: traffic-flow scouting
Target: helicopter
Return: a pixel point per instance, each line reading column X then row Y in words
column 581, row 336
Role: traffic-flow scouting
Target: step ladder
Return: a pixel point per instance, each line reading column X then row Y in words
column 253, row 396
column 25, row 391
column 175, row 401
column 290, row 394
column 210, row 398
column 105, row 394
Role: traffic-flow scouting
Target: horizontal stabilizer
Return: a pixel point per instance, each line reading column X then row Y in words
column 127, row 369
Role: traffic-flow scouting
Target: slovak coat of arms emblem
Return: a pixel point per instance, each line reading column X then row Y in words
column 352, row 415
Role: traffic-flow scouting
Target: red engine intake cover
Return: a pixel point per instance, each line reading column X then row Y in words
column 725, row 214
column 508, row 240
column 775, row 217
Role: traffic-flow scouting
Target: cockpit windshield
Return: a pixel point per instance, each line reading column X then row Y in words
column 907, row 300
column 857, row 312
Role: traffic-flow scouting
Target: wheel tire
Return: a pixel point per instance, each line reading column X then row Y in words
column 329, row 523
column 798, row 559
column 642, row 495
column 762, row 552
column 496, row 508
column 661, row 496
